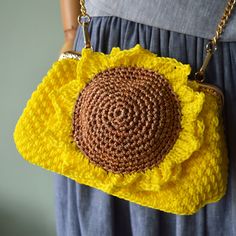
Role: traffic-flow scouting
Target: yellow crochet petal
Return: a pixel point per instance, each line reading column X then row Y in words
column 90, row 64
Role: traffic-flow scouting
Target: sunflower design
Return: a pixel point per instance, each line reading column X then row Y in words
column 131, row 124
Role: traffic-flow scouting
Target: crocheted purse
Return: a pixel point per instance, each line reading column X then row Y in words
column 131, row 124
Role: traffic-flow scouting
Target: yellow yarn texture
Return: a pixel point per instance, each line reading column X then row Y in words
column 192, row 174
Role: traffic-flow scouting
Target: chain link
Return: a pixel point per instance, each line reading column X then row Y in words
column 83, row 8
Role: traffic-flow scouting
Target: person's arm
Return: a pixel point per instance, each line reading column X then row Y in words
column 70, row 10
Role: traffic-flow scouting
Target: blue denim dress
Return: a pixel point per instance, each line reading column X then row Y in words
column 82, row 210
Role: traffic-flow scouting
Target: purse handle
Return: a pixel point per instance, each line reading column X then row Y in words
column 84, row 19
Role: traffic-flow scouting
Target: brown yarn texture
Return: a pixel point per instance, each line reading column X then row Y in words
column 126, row 119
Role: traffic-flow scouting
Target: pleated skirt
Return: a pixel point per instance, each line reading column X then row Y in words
column 86, row 211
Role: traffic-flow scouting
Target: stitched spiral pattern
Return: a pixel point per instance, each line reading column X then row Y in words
column 126, row 119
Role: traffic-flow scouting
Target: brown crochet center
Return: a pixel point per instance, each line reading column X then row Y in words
column 126, row 119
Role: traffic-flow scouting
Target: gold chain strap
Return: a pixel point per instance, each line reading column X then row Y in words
column 84, row 20
column 223, row 21
column 211, row 46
